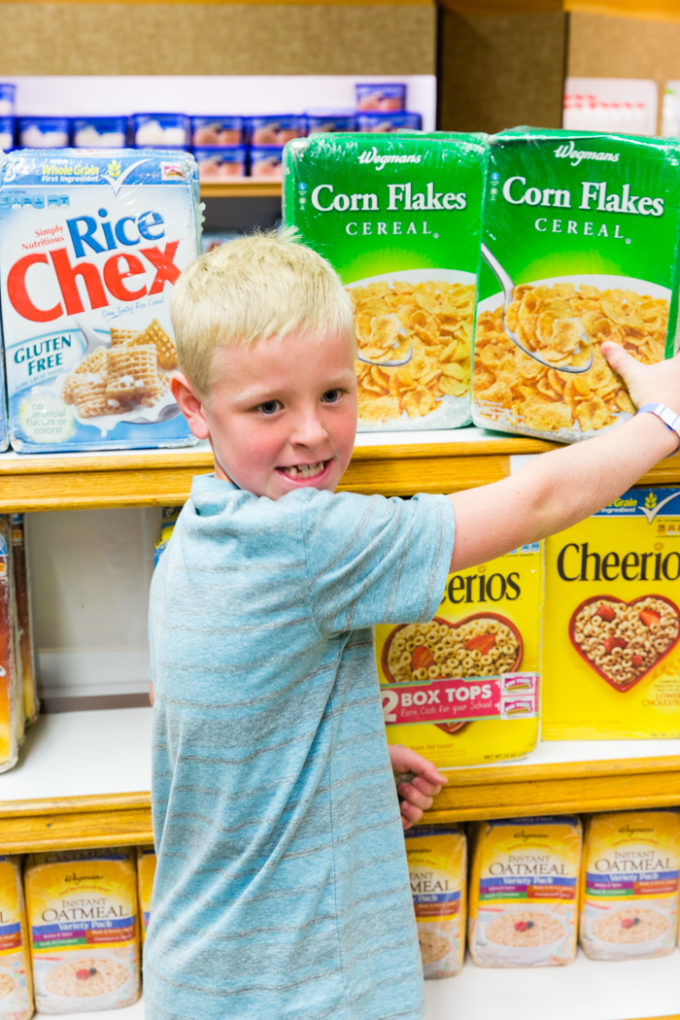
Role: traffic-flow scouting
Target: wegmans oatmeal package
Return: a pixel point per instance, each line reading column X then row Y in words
column 16, row 987
column 437, row 864
column 463, row 688
column 91, row 245
column 581, row 245
column 611, row 659
column 146, row 870
column 82, row 916
column 629, row 884
column 399, row 218
column 523, row 908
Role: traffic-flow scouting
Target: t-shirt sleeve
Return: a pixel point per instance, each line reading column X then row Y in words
column 373, row 560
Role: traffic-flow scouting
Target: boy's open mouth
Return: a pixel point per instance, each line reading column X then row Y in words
column 304, row 470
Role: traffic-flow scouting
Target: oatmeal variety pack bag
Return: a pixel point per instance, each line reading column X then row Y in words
column 523, row 908
column 629, row 884
column 146, row 869
column 91, row 244
column 16, row 991
column 611, row 659
column 399, row 217
column 581, row 238
column 82, row 916
column 437, row 864
column 464, row 688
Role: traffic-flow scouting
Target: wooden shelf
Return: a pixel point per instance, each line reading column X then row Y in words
column 393, row 464
column 244, row 187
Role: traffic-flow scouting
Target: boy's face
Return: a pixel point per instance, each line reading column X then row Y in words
column 281, row 414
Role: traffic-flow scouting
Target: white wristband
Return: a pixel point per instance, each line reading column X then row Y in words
column 670, row 419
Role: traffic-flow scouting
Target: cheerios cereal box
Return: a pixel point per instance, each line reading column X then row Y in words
column 523, row 909
column 399, row 218
column 91, row 245
column 611, row 658
column 16, row 985
column 146, row 870
column 11, row 699
column 580, row 245
column 82, row 916
column 437, row 864
column 629, row 884
column 464, row 688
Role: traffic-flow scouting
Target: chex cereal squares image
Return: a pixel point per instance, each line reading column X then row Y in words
column 91, row 244
column 611, row 627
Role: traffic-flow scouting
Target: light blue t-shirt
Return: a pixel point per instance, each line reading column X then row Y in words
column 281, row 889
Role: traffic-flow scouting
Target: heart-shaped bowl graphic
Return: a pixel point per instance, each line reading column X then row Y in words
column 614, row 636
column 507, row 658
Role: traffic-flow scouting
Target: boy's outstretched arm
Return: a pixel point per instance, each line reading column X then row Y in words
column 418, row 782
column 561, row 487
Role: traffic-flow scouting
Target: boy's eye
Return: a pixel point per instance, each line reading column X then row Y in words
column 331, row 396
column 268, row 407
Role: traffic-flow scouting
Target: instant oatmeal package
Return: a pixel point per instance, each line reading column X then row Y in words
column 523, row 908
column 463, row 688
column 611, row 658
column 146, row 869
column 581, row 245
column 16, row 987
column 82, row 916
column 437, row 864
column 92, row 242
column 399, row 218
column 629, row 884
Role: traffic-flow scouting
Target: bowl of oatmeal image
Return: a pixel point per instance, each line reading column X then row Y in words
column 629, row 932
column 438, row 950
column 87, row 981
column 524, row 937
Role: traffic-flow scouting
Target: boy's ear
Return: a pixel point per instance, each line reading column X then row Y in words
column 190, row 404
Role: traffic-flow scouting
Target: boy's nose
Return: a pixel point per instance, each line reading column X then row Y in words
column 308, row 430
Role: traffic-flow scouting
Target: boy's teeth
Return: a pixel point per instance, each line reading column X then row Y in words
column 305, row 470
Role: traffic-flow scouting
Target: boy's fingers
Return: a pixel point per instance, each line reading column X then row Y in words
column 410, row 794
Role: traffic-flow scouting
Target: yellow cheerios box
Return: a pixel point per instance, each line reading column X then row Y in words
column 16, row 993
column 146, row 869
column 629, row 884
column 82, row 917
column 523, row 908
column 463, row 688
column 611, row 658
column 437, row 864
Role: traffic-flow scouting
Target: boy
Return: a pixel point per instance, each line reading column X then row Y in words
column 281, row 887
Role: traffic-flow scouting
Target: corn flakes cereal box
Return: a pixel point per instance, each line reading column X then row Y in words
column 580, row 245
column 611, row 660
column 146, row 870
column 16, row 986
column 523, row 891
column 23, row 630
column 464, row 688
column 629, row 884
column 92, row 242
column 399, row 218
column 82, row 916
column 11, row 702
column 437, row 864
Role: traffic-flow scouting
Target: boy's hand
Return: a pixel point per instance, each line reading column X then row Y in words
column 417, row 789
column 657, row 383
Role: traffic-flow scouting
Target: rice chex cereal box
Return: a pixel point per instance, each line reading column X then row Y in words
column 399, row 218
column 611, row 626
column 91, row 244
column 580, row 245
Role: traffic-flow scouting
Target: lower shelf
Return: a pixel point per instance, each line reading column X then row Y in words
column 586, row 989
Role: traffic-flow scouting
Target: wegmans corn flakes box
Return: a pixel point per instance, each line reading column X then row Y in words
column 523, row 908
column 91, row 245
column 580, row 245
column 463, row 688
column 16, row 985
column 399, row 218
column 437, row 864
column 611, row 660
column 629, row 884
column 82, row 916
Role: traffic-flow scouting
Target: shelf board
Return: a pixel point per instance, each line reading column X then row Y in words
column 244, row 187
column 394, row 464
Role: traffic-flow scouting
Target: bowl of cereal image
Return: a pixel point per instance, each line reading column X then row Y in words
column 414, row 348
column 88, row 981
column 622, row 641
column 438, row 951
column 628, row 932
column 478, row 645
column 517, row 938
column 563, row 321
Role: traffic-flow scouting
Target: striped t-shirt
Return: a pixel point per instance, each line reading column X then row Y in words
column 281, row 887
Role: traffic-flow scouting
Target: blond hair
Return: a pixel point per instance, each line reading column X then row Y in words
column 252, row 288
